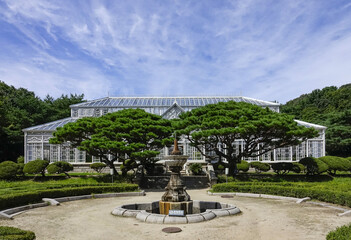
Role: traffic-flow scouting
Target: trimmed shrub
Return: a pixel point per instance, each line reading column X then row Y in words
column 36, row 167
column 298, row 167
column 20, row 159
column 243, row 166
column 336, row 164
column 282, row 167
column 19, row 199
column 260, row 166
column 11, row 233
column 313, row 165
column 60, row 167
column 341, row 198
column 8, row 170
column 196, row 168
column 341, row 233
column 98, row 167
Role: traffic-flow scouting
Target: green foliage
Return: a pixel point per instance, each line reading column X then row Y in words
column 282, row 167
column 213, row 125
column 60, row 167
column 36, row 167
column 11, row 233
column 329, row 107
column 341, row 233
column 243, row 166
column 313, row 166
column 20, row 160
column 336, row 164
column 130, row 132
column 8, row 170
column 298, row 167
column 19, row 199
column 128, row 165
column 260, row 166
column 19, row 109
column 196, row 168
column 98, row 167
column 333, row 194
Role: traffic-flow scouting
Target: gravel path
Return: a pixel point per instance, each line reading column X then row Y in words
column 260, row 219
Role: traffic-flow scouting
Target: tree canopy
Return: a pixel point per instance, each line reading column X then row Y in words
column 215, row 127
column 20, row 108
column 329, row 107
column 129, row 134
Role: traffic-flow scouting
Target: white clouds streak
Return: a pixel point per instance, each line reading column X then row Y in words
column 263, row 49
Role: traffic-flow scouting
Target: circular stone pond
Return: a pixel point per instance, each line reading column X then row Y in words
column 150, row 212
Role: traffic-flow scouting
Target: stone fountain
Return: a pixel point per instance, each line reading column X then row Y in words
column 175, row 197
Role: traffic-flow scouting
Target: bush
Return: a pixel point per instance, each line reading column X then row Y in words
column 243, row 166
column 36, row 167
column 336, row 164
column 8, row 170
column 313, row 165
column 20, row 159
column 341, row 198
column 282, row 167
column 260, row 167
column 19, row 199
column 196, row 168
column 60, row 167
column 341, row 233
column 98, row 167
column 11, row 233
column 298, row 167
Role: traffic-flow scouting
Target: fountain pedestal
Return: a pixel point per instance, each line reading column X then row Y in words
column 175, row 197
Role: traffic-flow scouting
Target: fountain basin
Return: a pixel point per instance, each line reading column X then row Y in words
column 150, row 212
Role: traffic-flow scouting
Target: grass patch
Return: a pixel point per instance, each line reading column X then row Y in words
column 17, row 193
column 11, row 233
column 341, row 233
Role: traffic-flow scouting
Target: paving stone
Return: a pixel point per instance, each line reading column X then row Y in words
column 141, row 215
column 118, row 211
column 131, row 213
column 175, row 220
column 220, row 212
column 208, row 215
column 233, row 211
column 194, row 218
column 155, row 218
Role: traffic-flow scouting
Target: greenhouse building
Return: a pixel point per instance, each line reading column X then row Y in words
column 36, row 139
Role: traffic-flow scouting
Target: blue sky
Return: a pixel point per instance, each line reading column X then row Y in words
column 269, row 50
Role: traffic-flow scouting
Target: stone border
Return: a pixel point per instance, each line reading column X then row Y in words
column 142, row 215
column 345, row 211
column 11, row 212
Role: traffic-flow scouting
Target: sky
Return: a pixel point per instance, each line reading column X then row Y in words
column 268, row 50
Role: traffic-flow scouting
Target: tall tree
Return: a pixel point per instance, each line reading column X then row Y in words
column 20, row 108
column 215, row 128
column 329, row 107
column 127, row 134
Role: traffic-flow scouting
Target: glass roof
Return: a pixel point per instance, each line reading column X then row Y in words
column 51, row 126
column 167, row 101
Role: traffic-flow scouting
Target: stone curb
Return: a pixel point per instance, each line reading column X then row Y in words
column 9, row 213
column 5, row 216
column 127, row 211
column 344, row 213
column 51, row 201
column 301, row 200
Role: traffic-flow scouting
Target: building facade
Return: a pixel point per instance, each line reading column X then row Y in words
column 36, row 138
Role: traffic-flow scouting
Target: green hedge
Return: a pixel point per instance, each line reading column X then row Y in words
column 19, row 199
column 243, row 166
column 341, row 198
column 260, row 166
column 341, row 233
column 11, row 233
column 336, row 164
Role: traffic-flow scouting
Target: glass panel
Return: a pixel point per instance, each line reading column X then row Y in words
column 53, row 153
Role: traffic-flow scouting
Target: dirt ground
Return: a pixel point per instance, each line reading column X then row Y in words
column 260, row 219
